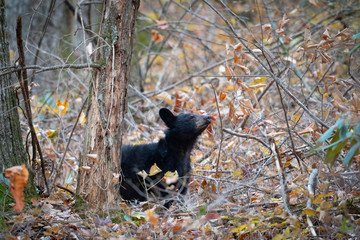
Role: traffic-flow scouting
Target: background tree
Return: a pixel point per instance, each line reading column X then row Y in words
column 11, row 145
column 107, row 106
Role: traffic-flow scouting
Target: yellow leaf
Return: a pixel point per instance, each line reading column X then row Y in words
column 264, row 150
column 296, row 117
column 62, row 106
column 166, row 97
column 143, row 174
column 154, row 170
column 237, row 174
column 325, row 205
column 12, row 55
column 82, row 118
column 51, row 133
column 309, row 212
column 153, row 16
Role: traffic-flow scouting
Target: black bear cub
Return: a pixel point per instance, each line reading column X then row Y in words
column 171, row 153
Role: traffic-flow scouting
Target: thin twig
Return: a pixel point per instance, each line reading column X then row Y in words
column 221, row 129
column 282, row 177
column 68, row 143
column 248, row 136
column 267, row 69
column 288, row 128
column 45, row 69
column 23, row 81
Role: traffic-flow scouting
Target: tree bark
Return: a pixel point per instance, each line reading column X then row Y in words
column 107, row 108
column 11, row 145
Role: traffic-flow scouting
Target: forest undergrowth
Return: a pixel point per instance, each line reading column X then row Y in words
column 280, row 159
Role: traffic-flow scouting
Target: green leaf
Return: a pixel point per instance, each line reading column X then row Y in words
column 202, row 210
column 328, row 133
column 357, row 130
column 355, row 48
column 356, row 36
column 333, row 152
column 354, row 150
column 343, row 225
column 325, row 136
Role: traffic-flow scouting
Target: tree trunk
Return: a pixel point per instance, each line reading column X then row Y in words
column 107, row 108
column 11, row 146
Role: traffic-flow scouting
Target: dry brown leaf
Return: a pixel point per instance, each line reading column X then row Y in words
column 93, row 157
column 151, row 217
column 347, row 32
column 166, row 97
column 307, row 37
column 309, row 129
column 229, row 72
column 18, row 176
column 154, row 170
column 156, row 36
column 245, row 69
column 162, row 24
column 247, row 103
column 171, row 177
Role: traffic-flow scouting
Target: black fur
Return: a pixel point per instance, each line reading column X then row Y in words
column 171, row 153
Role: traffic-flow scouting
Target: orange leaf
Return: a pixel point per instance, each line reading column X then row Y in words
column 156, row 36
column 222, row 96
column 62, row 106
column 151, row 217
column 18, row 176
column 236, row 59
column 231, row 110
column 238, row 47
column 229, row 72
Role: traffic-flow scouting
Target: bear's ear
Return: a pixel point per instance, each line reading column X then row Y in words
column 167, row 116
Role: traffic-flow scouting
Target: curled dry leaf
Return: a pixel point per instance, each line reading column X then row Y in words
column 154, row 170
column 156, row 36
column 222, row 96
column 229, row 72
column 166, row 97
column 143, row 174
column 171, row 177
column 347, row 32
column 62, row 106
column 93, row 157
column 85, row 168
column 151, row 217
column 18, row 176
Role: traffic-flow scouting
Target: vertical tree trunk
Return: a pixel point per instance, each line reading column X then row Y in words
column 108, row 106
column 11, row 146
